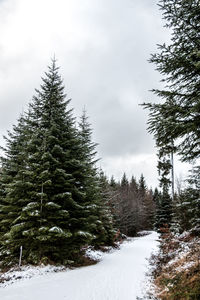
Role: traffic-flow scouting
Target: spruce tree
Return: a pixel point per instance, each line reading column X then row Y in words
column 113, row 183
column 107, row 230
column 193, row 192
column 187, row 208
column 135, row 201
column 142, row 190
column 164, row 201
column 127, row 222
column 142, row 186
column 175, row 121
column 113, row 187
column 97, row 210
column 46, row 192
column 13, row 167
column 177, row 118
column 133, row 184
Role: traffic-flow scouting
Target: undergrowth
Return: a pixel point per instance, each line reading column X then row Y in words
column 176, row 269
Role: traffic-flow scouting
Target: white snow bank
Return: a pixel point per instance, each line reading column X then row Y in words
column 94, row 254
column 119, row 276
column 97, row 255
column 27, row 272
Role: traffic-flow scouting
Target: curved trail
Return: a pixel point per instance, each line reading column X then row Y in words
column 119, row 276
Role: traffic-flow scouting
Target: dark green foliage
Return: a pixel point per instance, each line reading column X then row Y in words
column 13, row 167
column 187, row 205
column 193, row 192
column 178, row 117
column 142, row 185
column 175, row 122
column 163, row 210
column 106, row 217
column 97, row 206
column 126, row 220
column 49, row 195
column 113, row 183
column 44, row 190
column 164, row 201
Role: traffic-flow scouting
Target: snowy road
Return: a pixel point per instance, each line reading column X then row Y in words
column 119, row 276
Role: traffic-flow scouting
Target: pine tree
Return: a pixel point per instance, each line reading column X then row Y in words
column 127, row 222
column 13, row 168
column 194, row 196
column 113, row 183
column 179, row 63
column 164, row 204
column 175, row 121
column 142, row 189
column 134, row 185
column 164, row 211
column 46, row 193
column 135, row 202
column 107, row 231
column 142, row 185
column 187, row 208
column 97, row 207
column 113, row 187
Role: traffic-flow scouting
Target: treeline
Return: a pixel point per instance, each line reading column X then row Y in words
column 131, row 202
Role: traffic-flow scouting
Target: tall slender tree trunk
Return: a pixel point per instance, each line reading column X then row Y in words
column 172, row 171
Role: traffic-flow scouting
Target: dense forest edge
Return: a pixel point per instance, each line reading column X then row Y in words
column 55, row 202
column 175, row 124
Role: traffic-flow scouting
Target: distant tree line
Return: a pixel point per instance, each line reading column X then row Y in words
column 131, row 203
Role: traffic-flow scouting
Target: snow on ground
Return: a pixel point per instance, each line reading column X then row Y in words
column 95, row 254
column 120, row 275
column 26, row 272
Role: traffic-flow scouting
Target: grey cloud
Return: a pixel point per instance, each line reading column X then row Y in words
column 107, row 71
column 120, row 65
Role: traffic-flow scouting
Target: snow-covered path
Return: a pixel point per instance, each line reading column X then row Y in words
column 119, row 276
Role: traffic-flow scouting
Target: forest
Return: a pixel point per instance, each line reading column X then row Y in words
column 55, row 201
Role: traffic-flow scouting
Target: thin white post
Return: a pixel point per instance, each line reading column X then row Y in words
column 20, row 257
column 41, row 203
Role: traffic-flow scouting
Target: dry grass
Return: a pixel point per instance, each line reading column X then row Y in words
column 177, row 272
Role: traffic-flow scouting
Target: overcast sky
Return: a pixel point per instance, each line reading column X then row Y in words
column 102, row 47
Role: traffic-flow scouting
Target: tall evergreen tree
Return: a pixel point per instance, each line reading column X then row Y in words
column 187, row 206
column 48, row 193
column 126, row 223
column 175, row 122
column 96, row 201
column 177, row 118
column 193, row 192
column 13, row 167
column 106, row 216
column 164, row 201
column 142, row 185
column 113, row 183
